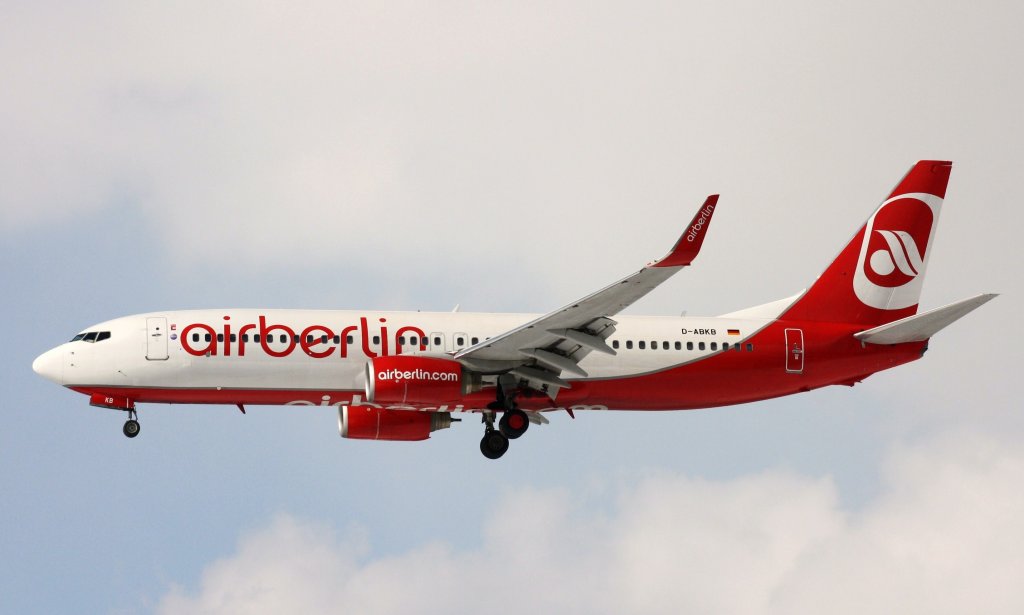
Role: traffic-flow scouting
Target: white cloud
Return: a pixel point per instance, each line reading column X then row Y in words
column 944, row 536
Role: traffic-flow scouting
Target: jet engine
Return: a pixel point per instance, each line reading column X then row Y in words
column 372, row 423
column 405, row 379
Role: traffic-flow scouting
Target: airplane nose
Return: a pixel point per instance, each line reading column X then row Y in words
column 50, row 365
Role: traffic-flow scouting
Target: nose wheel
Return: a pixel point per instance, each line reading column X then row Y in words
column 131, row 426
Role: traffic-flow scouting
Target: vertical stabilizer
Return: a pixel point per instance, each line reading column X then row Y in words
column 878, row 276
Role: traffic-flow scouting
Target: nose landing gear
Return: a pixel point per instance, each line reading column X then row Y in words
column 131, row 426
column 119, row 402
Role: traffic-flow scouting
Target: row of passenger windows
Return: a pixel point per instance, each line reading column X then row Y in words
column 92, row 336
column 642, row 345
column 412, row 340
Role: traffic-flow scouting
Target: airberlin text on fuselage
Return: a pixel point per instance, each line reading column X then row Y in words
column 308, row 339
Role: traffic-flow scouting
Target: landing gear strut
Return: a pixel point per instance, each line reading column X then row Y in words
column 131, row 426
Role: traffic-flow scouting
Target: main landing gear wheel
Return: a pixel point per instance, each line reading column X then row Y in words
column 131, row 426
column 513, row 423
column 494, row 444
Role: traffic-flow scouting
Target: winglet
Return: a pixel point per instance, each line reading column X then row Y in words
column 689, row 243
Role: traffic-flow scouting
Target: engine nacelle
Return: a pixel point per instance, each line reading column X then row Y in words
column 405, row 379
column 371, row 423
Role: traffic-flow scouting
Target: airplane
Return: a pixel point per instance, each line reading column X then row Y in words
column 401, row 375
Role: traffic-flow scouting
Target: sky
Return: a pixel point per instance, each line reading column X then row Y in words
column 505, row 157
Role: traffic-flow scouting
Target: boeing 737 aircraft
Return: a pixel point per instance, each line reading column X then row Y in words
column 401, row 375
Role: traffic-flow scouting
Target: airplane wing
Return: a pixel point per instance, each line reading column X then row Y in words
column 543, row 350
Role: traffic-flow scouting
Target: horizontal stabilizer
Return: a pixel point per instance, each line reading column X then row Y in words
column 922, row 326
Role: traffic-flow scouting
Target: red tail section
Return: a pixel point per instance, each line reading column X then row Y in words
column 877, row 278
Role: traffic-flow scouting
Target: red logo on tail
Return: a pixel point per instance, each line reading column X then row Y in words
column 894, row 252
column 899, row 238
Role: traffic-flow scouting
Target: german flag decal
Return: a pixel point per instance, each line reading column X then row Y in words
column 734, row 331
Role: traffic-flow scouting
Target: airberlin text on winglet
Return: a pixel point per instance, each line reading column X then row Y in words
column 688, row 246
column 703, row 216
column 309, row 340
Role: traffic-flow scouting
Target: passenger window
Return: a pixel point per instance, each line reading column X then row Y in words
column 323, row 339
column 296, row 338
column 641, row 345
column 284, row 338
column 401, row 340
column 714, row 345
column 475, row 340
column 309, row 339
column 725, row 345
column 736, row 347
column 664, row 345
column 234, row 337
column 348, row 339
column 90, row 337
column 195, row 337
column 459, row 341
column 337, row 339
column 615, row 344
column 245, row 338
column 700, row 346
column 437, row 341
column 654, row 345
column 679, row 345
column 689, row 345
column 750, row 347
column 629, row 344
column 256, row 338
column 207, row 336
column 220, row 337
column 376, row 339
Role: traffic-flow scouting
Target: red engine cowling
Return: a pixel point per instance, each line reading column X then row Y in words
column 402, row 379
column 371, row 423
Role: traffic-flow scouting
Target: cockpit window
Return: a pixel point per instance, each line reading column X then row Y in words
column 78, row 337
column 104, row 335
column 90, row 337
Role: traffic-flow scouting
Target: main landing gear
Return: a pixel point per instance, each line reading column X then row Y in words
column 131, row 426
column 513, row 423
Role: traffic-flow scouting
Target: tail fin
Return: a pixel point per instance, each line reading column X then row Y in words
column 877, row 278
